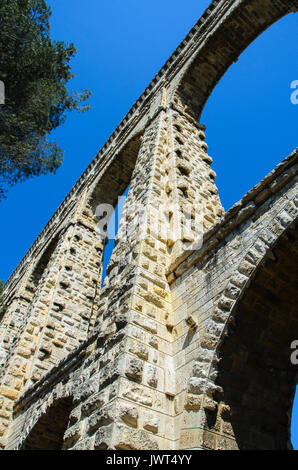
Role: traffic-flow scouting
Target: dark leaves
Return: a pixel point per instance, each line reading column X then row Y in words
column 36, row 71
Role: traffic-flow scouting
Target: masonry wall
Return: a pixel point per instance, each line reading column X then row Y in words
column 209, row 285
column 138, row 355
column 133, row 388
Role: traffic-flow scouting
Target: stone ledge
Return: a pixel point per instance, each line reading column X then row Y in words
column 238, row 213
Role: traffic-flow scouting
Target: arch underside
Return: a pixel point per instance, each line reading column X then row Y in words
column 117, row 175
column 48, row 432
column 224, row 44
column 255, row 373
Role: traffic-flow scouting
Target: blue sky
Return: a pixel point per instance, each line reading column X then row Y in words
column 251, row 122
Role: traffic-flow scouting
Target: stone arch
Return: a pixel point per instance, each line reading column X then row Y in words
column 48, row 310
column 204, row 388
column 255, row 350
column 231, row 29
column 48, row 430
column 117, row 174
column 17, row 316
column 103, row 193
column 42, row 262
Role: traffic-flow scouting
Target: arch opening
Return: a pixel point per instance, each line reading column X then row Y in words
column 256, row 375
column 48, row 432
column 108, row 197
column 112, row 231
column 43, row 263
column 235, row 29
column 117, row 175
column 250, row 119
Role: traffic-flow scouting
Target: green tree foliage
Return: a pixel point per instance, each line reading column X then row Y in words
column 35, row 70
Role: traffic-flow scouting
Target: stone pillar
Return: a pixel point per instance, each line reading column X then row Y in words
column 58, row 302
column 133, row 397
column 17, row 302
column 134, row 315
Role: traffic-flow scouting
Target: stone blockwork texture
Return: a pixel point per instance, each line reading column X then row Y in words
column 135, row 364
column 209, row 287
column 58, row 303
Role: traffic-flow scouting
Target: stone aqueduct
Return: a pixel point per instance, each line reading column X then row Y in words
column 180, row 348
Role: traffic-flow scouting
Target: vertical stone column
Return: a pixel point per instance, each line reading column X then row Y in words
column 190, row 187
column 134, row 396
column 61, row 303
column 17, row 303
column 193, row 193
column 133, row 388
column 134, row 316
